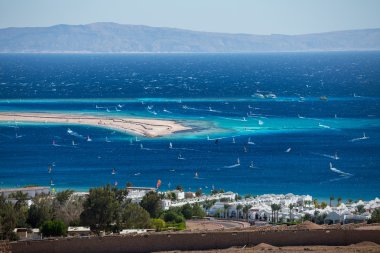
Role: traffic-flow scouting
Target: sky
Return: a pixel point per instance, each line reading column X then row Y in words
column 228, row 16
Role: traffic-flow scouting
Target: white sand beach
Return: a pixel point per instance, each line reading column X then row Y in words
column 143, row 127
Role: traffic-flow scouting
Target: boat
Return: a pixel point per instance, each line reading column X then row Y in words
column 288, row 150
column 69, row 131
column 113, row 171
column 233, row 140
column 245, row 149
column 170, row 145
column 244, row 119
column 141, row 146
column 180, row 157
column 51, row 182
column 50, row 169
column 88, row 138
column 324, row 98
column 108, row 110
column 73, row 143
column 196, row 175
column 261, row 122
column 107, row 140
column 251, row 166
column 238, row 161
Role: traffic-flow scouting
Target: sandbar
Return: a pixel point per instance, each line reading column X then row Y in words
column 137, row 126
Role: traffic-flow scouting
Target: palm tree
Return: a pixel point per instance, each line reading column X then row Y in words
column 291, row 206
column 349, row 201
column 315, row 202
column 273, row 208
column 246, row 209
column 331, row 198
column 226, row 206
column 238, row 208
column 278, row 208
column 339, row 200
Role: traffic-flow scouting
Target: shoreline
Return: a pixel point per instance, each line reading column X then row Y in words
column 144, row 127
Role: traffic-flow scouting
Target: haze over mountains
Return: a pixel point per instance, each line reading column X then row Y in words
column 117, row 38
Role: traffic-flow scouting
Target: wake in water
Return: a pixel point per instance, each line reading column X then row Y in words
column 339, row 171
column 360, row 138
column 234, row 165
column 73, row 133
column 335, row 157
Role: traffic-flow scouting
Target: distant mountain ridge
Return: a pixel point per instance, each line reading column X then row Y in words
column 117, row 38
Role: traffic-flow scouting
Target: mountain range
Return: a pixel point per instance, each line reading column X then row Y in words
column 118, row 38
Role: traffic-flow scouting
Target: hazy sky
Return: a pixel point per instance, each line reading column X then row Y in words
column 232, row 16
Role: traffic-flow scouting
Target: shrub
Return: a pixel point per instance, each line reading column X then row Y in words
column 158, row 224
column 53, row 228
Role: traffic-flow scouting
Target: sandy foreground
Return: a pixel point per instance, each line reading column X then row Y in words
column 263, row 247
column 143, row 127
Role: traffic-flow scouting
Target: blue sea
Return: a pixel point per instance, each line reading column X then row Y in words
column 283, row 144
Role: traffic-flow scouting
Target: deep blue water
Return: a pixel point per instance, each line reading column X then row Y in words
column 185, row 87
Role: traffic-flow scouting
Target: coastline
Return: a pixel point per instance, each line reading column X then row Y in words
column 144, row 127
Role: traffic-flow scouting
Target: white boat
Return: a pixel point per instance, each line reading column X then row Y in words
column 244, row 119
column 136, row 139
column 258, row 95
column 107, row 140
column 73, row 143
column 113, row 171
column 261, row 122
column 170, row 145
column 196, row 175
column 233, row 140
column 69, row 131
column 180, row 157
column 50, row 169
column 88, row 138
column 323, row 126
column 288, row 150
column 238, row 161
column 141, row 146
column 51, row 182
column 252, row 165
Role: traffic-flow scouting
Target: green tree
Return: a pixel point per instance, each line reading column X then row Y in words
column 273, row 208
column 226, row 207
column 172, row 216
column 134, row 216
column 323, row 205
column 198, row 211
column 40, row 211
column 129, row 184
column 315, row 202
column 8, row 220
column 187, row 211
column 20, row 207
column 151, row 202
column 53, row 228
column 246, row 210
column 339, row 200
column 199, row 192
column 63, row 196
column 158, row 224
column 100, row 208
column 360, row 209
column 239, row 207
column 179, row 188
column 247, row 196
column 331, row 199
column 375, row 216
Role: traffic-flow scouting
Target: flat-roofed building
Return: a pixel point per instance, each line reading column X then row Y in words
column 31, row 191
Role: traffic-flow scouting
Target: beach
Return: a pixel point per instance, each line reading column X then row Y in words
column 143, row 127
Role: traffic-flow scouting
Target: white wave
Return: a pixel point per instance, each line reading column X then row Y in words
column 339, row 171
column 232, row 166
column 73, row 133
